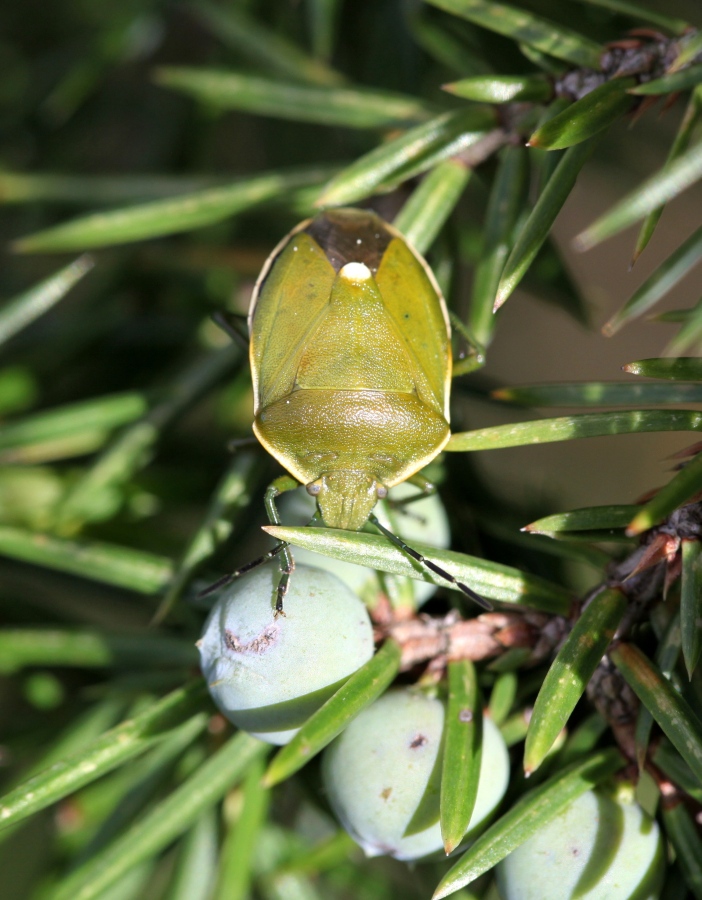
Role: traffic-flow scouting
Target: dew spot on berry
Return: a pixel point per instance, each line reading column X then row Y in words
column 260, row 644
column 465, row 715
column 418, row 741
column 385, row 794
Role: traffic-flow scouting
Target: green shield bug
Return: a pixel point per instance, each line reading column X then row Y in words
column 350, row 350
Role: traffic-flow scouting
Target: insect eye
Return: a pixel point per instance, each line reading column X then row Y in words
column 314, row 488
column 381, row 491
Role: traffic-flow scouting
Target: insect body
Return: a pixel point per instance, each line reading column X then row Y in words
column 351, row 361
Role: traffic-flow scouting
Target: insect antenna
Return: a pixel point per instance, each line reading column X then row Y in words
column 432, row 566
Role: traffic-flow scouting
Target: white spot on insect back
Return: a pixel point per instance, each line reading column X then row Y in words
column 355, row 271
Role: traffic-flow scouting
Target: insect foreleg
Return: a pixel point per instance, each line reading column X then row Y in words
column 254, row 564
column 279, row 486
column 287, row 563
column 432, row 566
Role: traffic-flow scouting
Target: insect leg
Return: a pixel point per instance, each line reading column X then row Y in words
column 255, row 563
column 237, row 443
column 474, row 356
column 232, row 324
column 279, row 486
column 426, row 489
column 432, row 566
column 287, row 563
column 422, row 482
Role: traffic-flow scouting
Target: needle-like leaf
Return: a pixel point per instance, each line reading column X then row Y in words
column 526, row 28
column 668, row 708
column 164, row 217
column 507, row 201
column 662, row 281
column 431, row 204
column 462, row 752
column 568, row 428
column 570, row 673
column 668, row 84
column 684, row 368
column 361, row 689
column 21, row 311
column 679, row 490
column 586, row 117
column 408, row 155
column 137, row 570
column 667, row 656
column 590, row 518
column 682, row 140
column 691, row 603
column 651, row 194
column 171, row 818
column 530, row 813
column 488, row 579
column 685, row 838
column 599, row 393
column 640, row 13
column 104, row 754
column 263, row 45
column 538, row 225
column 501, row 88
column 341, row 106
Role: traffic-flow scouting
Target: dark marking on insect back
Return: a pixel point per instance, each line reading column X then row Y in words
column 419, row 741
column 350, row 236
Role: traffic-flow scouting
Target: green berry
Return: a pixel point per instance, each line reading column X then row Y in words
column 384, row 772
column 268, row 675
column 600, row 847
